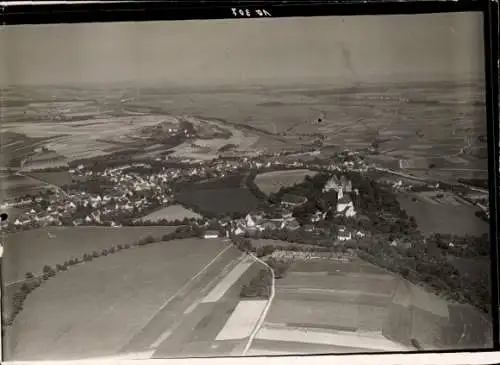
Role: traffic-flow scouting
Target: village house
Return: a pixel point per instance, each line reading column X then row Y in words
column 360, row 234
column 344, row 234
column 292, row 200
column 292, row 225
column 211, row 234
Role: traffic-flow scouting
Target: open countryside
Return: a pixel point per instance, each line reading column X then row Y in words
column 118, row 289
column 326, row 204
column 355, row 307
column 302, row 196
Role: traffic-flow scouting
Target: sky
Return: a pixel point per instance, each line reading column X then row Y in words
column 351, row 49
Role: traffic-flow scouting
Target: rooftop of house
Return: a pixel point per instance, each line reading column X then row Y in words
column 346, row 199
column 294, row 199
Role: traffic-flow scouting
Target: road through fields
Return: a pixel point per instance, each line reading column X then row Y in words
column 188, row 323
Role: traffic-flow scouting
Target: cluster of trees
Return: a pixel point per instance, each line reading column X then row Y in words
column 101, row 163
column 311, row 188
column 259, row 287
column 227, row 147
column 62, row 168
column 480, row 183
column 254, row 189
column 422, row 263
column 466, row 246
column 481, row 214
column 95, row 185
column 377, row 203
column 265, row 250
column 165, row 222
column 32, row 282
column 280, row 267
column 429, row 264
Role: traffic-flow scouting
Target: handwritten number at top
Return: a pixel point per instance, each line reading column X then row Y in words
column 248, row 13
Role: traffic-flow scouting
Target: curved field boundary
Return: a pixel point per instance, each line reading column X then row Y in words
column 49, row 272
column 266, row 308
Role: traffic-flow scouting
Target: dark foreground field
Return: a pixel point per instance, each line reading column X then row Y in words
column 95, row 309
column 30, row 251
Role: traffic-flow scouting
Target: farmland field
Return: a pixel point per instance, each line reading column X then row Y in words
column 436, row 217
column 348, row 301
column 55, row 178
column 271, row 182
column 113, row 296
column 257, row 120
column 171, row 213
column 278, row 244
column 327, row 315
column 359, row 283
column 29, row 251
column 12, row 186
column 328, row 296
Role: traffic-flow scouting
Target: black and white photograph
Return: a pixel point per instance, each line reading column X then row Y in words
column 244, row 187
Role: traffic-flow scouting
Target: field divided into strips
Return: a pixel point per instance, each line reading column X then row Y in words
column 115, row 296
column 328, row 307
column 271, row 182
column 217, row 323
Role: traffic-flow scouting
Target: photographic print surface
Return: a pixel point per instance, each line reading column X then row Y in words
column 244, row 187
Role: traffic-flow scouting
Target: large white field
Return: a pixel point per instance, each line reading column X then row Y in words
column 271, row 182
column 243, row 320
column 171, row 213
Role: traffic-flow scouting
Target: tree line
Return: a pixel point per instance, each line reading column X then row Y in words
column 32, row 281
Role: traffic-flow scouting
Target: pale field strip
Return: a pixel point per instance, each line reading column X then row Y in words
column 218, row 292
column 166, row 334
column 287, row 289
column 210, row 284
column 243, row 320
column 343, row 274
column 370, row 341
column 308, row 273
column 259, row 351
column 186, row 285
column 144, row 355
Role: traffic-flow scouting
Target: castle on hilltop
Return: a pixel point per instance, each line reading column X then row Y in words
column 343, row 187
